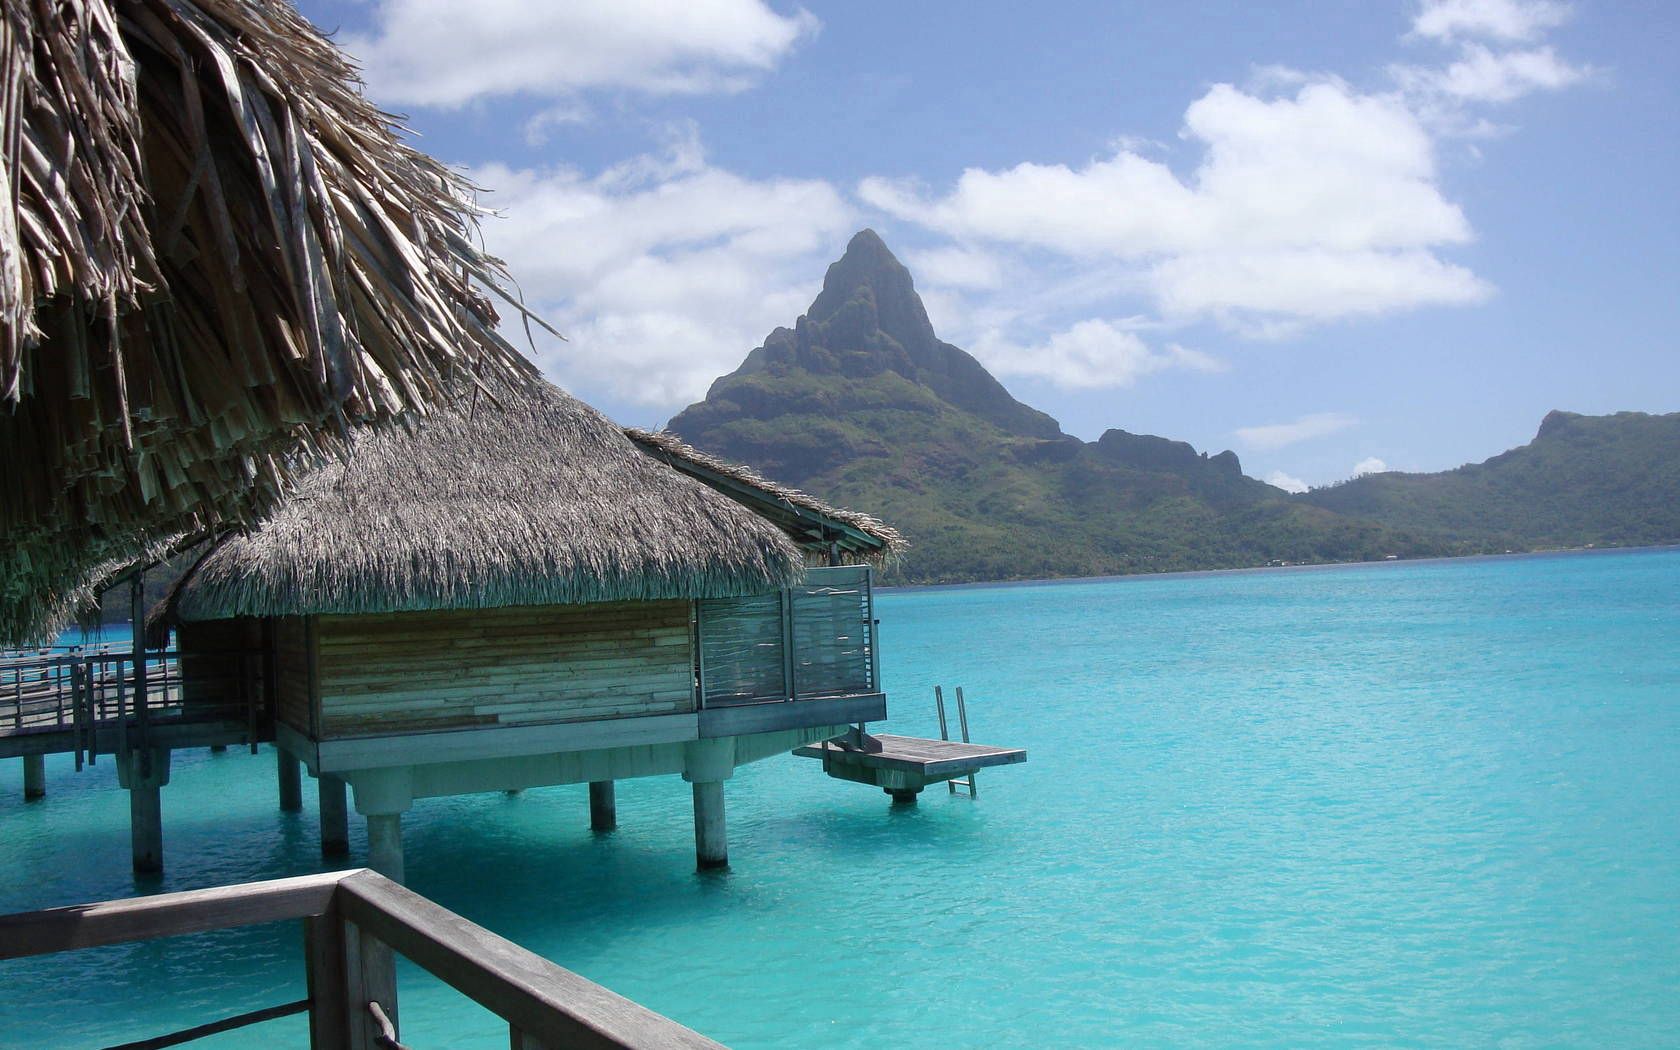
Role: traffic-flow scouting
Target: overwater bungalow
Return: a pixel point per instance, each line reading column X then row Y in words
column 519, row 594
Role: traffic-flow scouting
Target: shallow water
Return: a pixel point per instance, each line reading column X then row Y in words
column 1431, row 804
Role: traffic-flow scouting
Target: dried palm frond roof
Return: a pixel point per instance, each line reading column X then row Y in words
column 215, row 254
column 541, row 501
column 807, row 518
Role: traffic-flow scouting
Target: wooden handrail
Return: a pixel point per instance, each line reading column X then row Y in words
column 552, row 1005
column 165, row 915
column 355, row 920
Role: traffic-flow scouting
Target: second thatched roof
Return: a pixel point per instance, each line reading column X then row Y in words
column 542, row 501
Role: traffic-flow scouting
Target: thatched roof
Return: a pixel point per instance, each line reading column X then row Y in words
column 214, row 255
column 805, row 517
column 542, row 502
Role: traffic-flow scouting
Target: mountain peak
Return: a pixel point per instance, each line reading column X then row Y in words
column 1555, row 421
column 867, row 253
column 870, row 283
column 869, row 243
column 867, row 322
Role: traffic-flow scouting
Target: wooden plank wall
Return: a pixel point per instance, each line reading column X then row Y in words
column 292, row 672
column 404, row 672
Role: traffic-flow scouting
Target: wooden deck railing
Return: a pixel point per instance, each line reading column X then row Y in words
column 355, row 924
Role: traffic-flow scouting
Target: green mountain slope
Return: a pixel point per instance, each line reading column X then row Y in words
column 1606, row 480
column 861, row 402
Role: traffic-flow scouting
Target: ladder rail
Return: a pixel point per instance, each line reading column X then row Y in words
column 945, row 734
column 962, row 719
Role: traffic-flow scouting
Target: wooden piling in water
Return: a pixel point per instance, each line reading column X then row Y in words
column 603, row 806
column 145, row 817
column 290, row 773
column 335, row 816
column 34, row 777
column 144, row 773
column 711, row 836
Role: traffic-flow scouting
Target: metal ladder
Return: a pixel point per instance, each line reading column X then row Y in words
column 945, row 734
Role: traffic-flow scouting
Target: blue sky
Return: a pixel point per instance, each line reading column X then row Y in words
column 1327, row 235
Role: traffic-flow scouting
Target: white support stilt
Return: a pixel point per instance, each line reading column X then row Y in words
column 706, row 765
column 382, row 796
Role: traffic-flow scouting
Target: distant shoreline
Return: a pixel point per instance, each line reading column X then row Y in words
column 1555, row 552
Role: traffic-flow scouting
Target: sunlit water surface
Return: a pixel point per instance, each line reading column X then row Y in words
column 1432, row 804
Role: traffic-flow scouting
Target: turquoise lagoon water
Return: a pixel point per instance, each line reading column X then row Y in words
column 1431, row 804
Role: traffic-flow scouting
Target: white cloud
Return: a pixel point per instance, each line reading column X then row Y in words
column 1274, row 293
column 956, row 267
column 1369, row 465
column 1304, row 200
column 566, row 111
column 1499, row 58
column 1273, row 436
column 1195, row 360
column 1296, row 200
column 1483, row 75
column 663, row 271
column 1286, row 482
column 1092, row 354
column 1508, row 20
column 445, row 53
column 1305, row 207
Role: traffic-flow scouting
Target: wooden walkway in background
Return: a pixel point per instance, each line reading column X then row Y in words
column 84, row 701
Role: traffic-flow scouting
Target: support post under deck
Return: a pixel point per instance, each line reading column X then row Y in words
column 290, row 773
column 144, row 776
column 145, row 818
column 34, row 777
column 711, row 836
column 603, row 806
column 335, row 816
